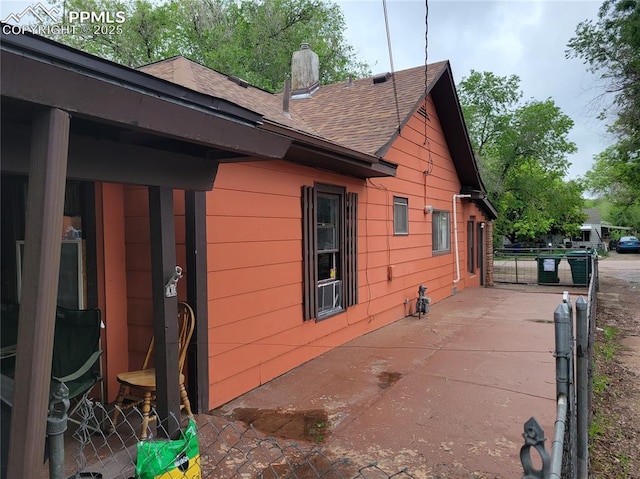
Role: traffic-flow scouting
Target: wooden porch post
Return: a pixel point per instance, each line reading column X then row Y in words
column 196, row 243
column 165, row 310
column 43, row 236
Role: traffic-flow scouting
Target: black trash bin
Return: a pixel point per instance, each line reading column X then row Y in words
column 548, row 268
column 580, row 263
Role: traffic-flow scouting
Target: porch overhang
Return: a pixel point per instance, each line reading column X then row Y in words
column 67, row 114
column 136, row 108
column 479, row 197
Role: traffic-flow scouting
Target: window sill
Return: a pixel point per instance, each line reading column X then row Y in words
column 440, row 253
column 329, row 314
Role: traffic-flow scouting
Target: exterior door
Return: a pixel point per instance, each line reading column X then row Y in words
column 481, row 252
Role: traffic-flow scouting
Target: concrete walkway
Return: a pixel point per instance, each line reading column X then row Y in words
column 445, row 396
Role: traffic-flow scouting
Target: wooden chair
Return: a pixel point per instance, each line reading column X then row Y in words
column 144, row 380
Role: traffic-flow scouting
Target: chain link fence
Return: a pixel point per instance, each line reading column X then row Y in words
column 542, row 266
column 225, row 449
column 569, row 457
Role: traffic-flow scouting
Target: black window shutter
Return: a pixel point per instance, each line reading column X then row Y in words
column 309, row 269
column 351, row 250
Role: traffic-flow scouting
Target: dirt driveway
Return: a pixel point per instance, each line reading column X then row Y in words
column 615, row 428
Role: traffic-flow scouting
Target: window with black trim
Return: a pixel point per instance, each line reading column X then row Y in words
column 441, row 231
column 330, row 239
column 400, row 215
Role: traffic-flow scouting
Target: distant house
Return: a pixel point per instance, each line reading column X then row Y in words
column 594, row 232
column 301, row 220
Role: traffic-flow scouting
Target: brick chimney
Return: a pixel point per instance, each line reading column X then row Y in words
column 305, row 72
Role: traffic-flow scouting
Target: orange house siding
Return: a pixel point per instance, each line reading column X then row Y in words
column 112, row 281
column 254, row 234
column 138, row 268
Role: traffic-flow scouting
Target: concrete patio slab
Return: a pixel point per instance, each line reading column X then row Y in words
column 445, row 396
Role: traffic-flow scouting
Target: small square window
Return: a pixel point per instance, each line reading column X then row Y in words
column 400, row 216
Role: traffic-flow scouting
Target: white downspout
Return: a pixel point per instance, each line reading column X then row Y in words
column 455, row 235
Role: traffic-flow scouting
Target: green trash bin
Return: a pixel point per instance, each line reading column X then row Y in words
column 580, row 263
column 548, row 268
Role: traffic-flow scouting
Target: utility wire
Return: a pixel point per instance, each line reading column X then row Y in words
column 427, row 145
column 393, row 75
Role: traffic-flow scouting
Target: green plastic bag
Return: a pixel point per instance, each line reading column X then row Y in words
column 177, row 459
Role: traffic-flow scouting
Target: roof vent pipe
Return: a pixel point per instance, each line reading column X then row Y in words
column 286, row 95
column 381, row 78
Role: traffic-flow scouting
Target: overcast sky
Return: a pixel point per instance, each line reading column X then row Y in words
column 525, row 38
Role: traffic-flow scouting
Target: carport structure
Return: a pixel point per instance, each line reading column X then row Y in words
column 70, row 115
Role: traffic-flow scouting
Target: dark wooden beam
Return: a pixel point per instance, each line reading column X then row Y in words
column 196, row 275
column 90, row 248
column 126, row 105
column 43, row 235
column 165, row 310
column 105, row 160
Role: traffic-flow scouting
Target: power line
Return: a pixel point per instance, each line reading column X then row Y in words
column 393, row 75
column 426, row 144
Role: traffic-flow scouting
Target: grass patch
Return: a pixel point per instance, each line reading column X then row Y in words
column 605, row 351
column 607, row 348
column 598, row 426
column 600, row 383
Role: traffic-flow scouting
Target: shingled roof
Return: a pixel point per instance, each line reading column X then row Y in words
column 359, row 117
column 362, row 114
column 192, row 75
column 359, row 114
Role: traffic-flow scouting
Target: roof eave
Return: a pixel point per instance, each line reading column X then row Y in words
column 317, row 152
column 43, row 49
column 119, row 95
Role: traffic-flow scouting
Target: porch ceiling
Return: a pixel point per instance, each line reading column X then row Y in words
column 128, row 111
column 108, row 152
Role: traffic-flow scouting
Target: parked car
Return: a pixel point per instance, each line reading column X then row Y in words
column 628, row 244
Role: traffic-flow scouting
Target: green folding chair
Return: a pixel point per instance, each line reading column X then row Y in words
column 76, row 354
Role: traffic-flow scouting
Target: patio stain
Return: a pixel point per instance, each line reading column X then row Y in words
column 311, row 425
column 310, row 467
column 388, row 378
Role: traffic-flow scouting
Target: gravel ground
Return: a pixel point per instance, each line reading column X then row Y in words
column 615, row 428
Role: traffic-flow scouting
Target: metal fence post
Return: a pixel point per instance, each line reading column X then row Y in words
column 582, row 386
column 56, row 426
column 592, row 300
column 563, row 319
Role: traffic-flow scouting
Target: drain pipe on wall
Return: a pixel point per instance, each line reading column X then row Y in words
column 455, row 235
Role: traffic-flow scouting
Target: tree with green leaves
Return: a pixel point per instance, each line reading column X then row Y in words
column 521, row 149
column 253, row 40
column 610, row 46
